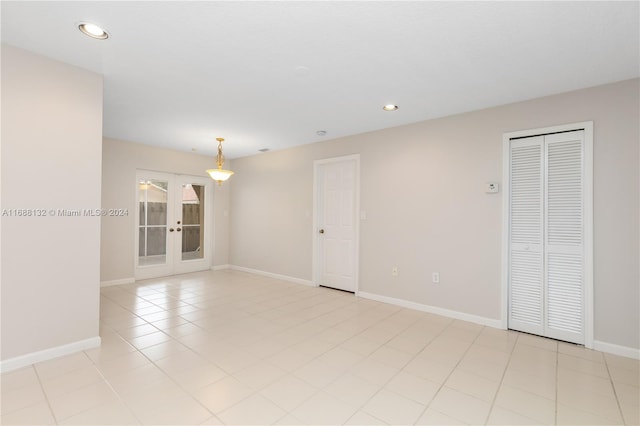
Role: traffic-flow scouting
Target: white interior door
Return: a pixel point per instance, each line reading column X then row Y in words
column 526, row 282
column 336, row 225
column 564, row 236
column 548, row 262
column 173, row 224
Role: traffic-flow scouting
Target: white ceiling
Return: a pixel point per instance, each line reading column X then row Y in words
column 271, row 74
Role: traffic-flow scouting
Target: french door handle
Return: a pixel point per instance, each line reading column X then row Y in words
column 321, row 231
column 178, row 229
column 170, row 229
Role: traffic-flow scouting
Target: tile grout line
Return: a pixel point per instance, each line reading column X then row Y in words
column 615, row 393
column 254, row 315
column 170, row 379
column 346, row 314
column 526, row 390
column 382, row 387
column 328, row 350
column 452, row 370
column 504, row 373
column 46, row 397
column 226, row 372
column 368, row 414
column 163, row 371
column 117, row 394
column 340, row 343
column 82, row 387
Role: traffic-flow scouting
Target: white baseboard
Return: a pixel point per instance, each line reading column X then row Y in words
column 220, row 267
column 117, row 282
column 47, row 354
column 271, row 275
column 495, row 323
column 616, row 349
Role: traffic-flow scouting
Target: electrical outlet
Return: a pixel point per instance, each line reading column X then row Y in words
column 394, row 271
column 435, row 277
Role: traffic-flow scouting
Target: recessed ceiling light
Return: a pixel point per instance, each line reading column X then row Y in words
column 264, row 150
column 93, row 31
column 390, row 107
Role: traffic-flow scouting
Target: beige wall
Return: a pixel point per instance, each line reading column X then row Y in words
column 120, row 160
column 432, row 214
column 51, row 156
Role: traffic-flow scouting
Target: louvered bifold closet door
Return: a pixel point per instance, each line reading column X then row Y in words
column 526, row 272
column 564, row 236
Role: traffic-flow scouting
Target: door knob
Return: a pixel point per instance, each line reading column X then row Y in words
column 170, row 229
column 178, row 229
column 321, row 231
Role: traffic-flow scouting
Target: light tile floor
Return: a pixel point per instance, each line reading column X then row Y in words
column 233, row 348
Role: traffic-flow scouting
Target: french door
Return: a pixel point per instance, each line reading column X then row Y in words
column 173, row 224
column 549, row 224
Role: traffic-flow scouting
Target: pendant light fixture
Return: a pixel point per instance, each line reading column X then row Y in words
column 219, row 175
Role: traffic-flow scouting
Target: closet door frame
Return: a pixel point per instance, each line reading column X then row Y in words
column 587, row 127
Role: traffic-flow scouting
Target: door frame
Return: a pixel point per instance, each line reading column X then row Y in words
column 587, row 127
column 171, row 266
column 316, row 268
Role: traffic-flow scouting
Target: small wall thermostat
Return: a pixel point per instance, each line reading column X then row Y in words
column 491, row 188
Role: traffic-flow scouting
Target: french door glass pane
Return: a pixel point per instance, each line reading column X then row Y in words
column 192, row 221
column 152, row 232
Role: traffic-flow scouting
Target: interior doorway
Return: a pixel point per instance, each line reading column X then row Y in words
column 548, row 256
column 336, row 225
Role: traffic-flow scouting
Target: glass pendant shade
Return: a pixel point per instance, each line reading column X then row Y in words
column 219, row 174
